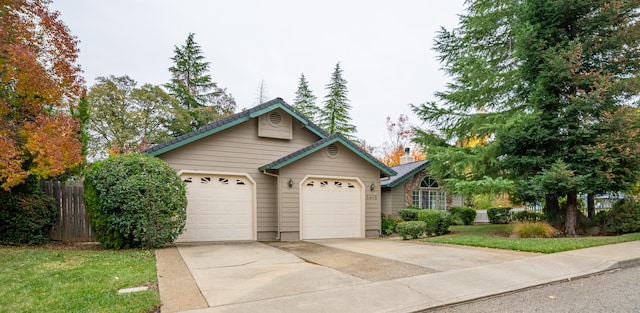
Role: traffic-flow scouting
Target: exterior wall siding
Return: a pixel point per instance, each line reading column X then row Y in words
column 345, row 164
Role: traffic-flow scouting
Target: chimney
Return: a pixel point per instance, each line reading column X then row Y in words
column 407, row 157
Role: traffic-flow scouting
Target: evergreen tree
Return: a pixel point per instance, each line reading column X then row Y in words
column 199, row 98
column 305, row 101
column 547, row 83
column 334, row 117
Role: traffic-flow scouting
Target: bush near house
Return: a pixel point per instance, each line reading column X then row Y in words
column 436, row 222
column 411, row 229
column 465, row 214
column 26, row 214
column 624, row 217
column 135, row 200
column 499, row 215
column 409, row 214
column 389, row 223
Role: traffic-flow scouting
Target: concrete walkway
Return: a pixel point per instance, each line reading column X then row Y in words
column 253, row 277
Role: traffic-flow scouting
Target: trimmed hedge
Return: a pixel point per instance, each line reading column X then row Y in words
column 436, row 222
column 466, row 214
column 408, row 214
column 624, row 217
column 411, row 229
column 499, row 215
column 527, row 216
column 26, row 215
column 135, row 200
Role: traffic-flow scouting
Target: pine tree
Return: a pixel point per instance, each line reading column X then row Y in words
column 334, row 117
column 198, row 96
column 305, row 101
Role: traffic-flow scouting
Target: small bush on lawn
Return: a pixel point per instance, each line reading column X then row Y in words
column 411, row 229
column 499, row 215
column 436, row 222
column 135, row 200
column 389, row 224
column 409, row 214
column 529, row 216
column 534, row 230
column 26, row 214
column 624, row 217
column 465, row 214
column 445, row 222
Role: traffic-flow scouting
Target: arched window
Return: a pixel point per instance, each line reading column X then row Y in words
column 429, row 195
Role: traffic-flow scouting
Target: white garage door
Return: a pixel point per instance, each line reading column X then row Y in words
column 220, row 207
column 331, row 208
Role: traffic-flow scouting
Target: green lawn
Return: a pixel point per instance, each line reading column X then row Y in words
column 55, row 279
column 496, row 236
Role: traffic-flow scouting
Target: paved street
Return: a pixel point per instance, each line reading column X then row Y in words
column 617, row 291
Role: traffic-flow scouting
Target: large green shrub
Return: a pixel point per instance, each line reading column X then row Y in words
column 445, row 222
column 26, row 214
column 409, row 214
column 624, row 217
column 388, row 224
column 499, row 215
column 431, row 218
column 135, row 200
column 411, row 229
column 466, row 214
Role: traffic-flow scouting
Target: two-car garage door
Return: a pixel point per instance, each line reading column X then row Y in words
column 331, row 208
column 220, row 207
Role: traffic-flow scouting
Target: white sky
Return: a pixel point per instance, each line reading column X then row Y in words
column 384, row 47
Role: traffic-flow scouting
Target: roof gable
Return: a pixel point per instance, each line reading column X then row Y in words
column 404, row 172
column 297, row 155
column 234, row 120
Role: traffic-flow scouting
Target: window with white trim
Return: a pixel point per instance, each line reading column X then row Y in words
column 429, row 195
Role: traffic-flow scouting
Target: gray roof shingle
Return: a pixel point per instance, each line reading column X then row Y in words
column 404, row 172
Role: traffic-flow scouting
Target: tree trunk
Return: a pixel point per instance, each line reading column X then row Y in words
column 571, row 214
column 551, row 208
column 591, row 205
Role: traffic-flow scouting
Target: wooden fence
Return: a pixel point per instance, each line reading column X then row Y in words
column 72, row 224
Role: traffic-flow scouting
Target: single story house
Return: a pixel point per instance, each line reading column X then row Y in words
column 413, row 186
column 268, row 173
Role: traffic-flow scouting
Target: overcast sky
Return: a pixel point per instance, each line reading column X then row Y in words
column 384, row 47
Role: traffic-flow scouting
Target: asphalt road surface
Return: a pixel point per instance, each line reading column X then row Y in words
column 615, row 291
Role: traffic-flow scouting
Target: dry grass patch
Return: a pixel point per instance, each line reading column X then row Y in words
column 534, row 230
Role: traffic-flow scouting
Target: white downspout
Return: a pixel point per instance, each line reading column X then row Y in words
column 278, row 199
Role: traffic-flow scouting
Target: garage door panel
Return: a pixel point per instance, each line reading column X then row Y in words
column 220, row 207
column 331, row 208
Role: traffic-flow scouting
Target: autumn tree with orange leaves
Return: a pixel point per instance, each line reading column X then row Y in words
column 40, row 83
column 400, row 133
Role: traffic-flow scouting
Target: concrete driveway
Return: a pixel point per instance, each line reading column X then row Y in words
column 236, row 273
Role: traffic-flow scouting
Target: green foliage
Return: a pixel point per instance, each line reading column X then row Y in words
column 528, row 216
column 409, row 214
column 466, row 214
column 499, row 215
column 624, row 217
column 436, row 222
column 334, row 116
column 305, row 101
column 411, row 229
column 26, row 214
column 135, row 200
column 534, row 230
column 388, row 224
column 200, row 99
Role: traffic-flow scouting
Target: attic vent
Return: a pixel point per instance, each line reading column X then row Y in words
column 332, row 150
column 274, row 118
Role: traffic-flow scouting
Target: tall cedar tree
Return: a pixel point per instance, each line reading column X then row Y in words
column 124, row 117
column 334, row 117
column 39, row 84
column 548, row 82
column 305, row 101
column 200, row 100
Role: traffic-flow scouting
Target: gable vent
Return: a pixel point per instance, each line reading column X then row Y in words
column 332, row 150
column 275, row 118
